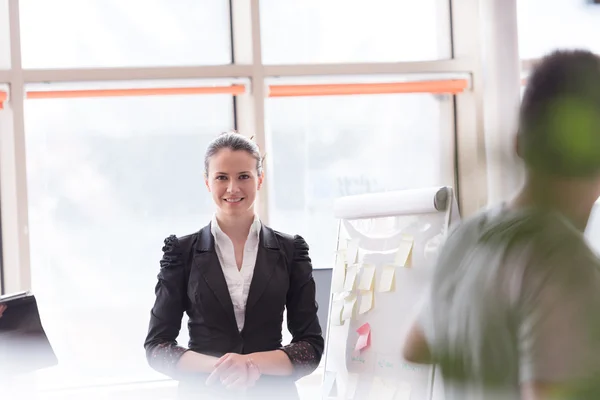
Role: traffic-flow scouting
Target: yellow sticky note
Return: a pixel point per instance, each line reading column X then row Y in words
column 350, row 281
column 381, row 390
column 349, row 305
column 337, row 308
column 339, row 275
column 366, row 301
column 352, row 251
column 404, row 254
column 366, row 279
column 387, row 280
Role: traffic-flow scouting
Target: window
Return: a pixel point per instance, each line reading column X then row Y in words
column 116, row 33
column 110, row 175
column 108, row 180
column 4, row 36
column 336, row 31
column 547, row 25
column 326, row 147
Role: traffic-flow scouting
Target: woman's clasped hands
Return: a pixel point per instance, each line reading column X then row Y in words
column 235, row 371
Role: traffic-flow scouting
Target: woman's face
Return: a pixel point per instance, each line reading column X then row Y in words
column 233, row 181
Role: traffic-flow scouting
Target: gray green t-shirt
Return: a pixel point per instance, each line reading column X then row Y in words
column 515, row 298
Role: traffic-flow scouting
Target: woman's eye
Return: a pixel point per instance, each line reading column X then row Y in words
column 221, row 178
column 244, row 176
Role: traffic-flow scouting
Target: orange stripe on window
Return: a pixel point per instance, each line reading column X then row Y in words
column 438, row 87
column 69, row 94
column 454, row 86
column 3, row 97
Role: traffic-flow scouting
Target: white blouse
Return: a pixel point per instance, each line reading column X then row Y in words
column 238, row 281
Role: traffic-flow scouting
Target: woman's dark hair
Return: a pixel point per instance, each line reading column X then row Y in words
column 559, row 122
column 234, row 142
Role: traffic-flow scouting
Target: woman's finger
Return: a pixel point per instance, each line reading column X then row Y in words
column 230, row 379
column 232, row 374
column 238, row 383
column 221, row 360
column 218, row 371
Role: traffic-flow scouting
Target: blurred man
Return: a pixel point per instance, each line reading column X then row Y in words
column 2, row 308
column 514, row 310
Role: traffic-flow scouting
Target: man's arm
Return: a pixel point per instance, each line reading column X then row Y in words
column 540, row 391
column 416, row 350
column 559, row 327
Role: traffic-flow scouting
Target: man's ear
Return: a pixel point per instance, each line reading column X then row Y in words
column 518, row 145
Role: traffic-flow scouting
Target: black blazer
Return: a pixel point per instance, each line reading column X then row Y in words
column 191, row 280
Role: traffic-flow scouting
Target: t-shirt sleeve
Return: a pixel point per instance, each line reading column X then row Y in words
column 425, row 320
column 558, row 319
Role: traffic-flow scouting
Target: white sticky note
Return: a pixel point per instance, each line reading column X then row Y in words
column 339, row 274
column 352, row 251
column 337, row 308
column 351, row 384
column 403, row 391
column 328, row 387
column 350, row 281
column 349, row 305
column 366, row 279
column 381, row 390
column 387, row 280
column 366, row 301
column 403, row 256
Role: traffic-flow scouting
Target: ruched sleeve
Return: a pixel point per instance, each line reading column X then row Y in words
column 162, row 350
column 307, row 344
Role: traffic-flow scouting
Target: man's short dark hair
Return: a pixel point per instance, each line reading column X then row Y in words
column 559, row 122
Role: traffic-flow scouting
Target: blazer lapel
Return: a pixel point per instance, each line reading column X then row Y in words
column 207, row 260
column 267, row 259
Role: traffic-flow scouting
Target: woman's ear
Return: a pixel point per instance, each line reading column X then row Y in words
column 261, row 178
column 206, row 182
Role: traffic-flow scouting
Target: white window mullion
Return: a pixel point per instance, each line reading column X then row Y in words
column 502, row 96
column 13, row 171
column 250, row 108
column 471, row 160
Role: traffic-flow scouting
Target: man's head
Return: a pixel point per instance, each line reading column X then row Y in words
column 559, row 124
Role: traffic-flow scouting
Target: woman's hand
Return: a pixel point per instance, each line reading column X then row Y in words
column 2, row 309
column 235, row 371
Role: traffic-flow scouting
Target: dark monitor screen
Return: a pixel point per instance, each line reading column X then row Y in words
column 323, row 283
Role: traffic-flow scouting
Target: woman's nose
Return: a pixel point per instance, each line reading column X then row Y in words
column 232, row 187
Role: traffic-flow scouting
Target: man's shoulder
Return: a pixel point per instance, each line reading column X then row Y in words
column 525, row 237
column 502, row 223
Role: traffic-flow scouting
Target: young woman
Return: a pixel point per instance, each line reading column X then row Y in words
column 234, row 278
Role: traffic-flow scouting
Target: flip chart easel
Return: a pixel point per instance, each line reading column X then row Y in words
column 387, row 247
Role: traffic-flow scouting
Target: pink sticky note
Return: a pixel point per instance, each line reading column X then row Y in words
column 364, row 337
column 364, row 329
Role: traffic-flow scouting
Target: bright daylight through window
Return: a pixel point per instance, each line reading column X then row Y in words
column 102, row 172
column 4, row 37
column 327, row 147
column 344, row 31
column 116, row 33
